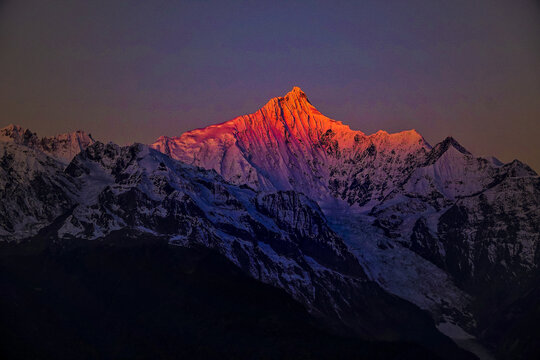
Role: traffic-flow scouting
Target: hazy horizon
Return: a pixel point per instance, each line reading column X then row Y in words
column 133, row 71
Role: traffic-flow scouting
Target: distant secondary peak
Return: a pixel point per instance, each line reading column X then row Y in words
column 62, row 147
column 442, row 147
column 17, row 133
column 450, row 141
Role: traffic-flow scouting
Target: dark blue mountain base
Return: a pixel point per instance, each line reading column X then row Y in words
column 146, row 299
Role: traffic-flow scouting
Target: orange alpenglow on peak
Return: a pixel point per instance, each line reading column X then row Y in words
column 296, row 93
column 294, row 99
column 288, row 144
column 294, row 110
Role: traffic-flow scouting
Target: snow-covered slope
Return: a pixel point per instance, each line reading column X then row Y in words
column 141, row 189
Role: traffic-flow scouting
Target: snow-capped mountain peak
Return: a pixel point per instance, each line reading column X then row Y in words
column 449, row 143
column 288, row 144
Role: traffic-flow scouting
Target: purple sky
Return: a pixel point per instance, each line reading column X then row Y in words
column 134, row 70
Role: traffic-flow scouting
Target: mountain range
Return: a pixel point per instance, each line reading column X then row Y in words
column 382, row 237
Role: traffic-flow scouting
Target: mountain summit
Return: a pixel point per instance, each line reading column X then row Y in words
column 295, row 100
column 288, row 144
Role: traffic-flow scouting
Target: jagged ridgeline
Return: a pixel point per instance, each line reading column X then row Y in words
column 381, row 237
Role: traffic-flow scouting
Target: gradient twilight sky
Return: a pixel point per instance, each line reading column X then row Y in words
column 130, row 71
